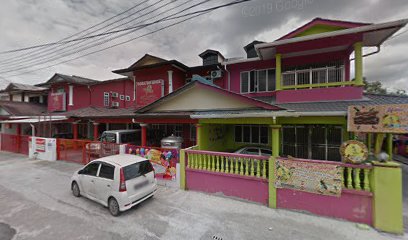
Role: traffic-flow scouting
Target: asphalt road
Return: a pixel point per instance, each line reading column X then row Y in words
column 36, row 203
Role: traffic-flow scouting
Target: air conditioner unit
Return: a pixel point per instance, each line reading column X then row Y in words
column 115, row 104
column 216, row 74
column 115, row 94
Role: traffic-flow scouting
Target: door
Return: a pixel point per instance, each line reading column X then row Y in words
column 104, row 182
column 88, row 177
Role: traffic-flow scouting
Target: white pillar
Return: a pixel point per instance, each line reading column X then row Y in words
column 71, row 95
column 170, row 74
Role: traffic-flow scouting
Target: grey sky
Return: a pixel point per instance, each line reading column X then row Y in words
column 29, row 22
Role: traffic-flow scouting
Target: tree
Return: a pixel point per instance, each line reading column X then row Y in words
column 374, row 87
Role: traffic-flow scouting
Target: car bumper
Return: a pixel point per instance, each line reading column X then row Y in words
column 128, row 205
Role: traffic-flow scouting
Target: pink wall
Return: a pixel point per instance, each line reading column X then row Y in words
column 355, row 206
column 122, row 87
column 319, row 94
column 249, row 188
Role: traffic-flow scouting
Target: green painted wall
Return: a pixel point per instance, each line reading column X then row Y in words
column 319, row 29
column 386, row 182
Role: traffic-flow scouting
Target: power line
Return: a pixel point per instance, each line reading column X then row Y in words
column 91, row 44
column 202, row 12
column 48, row 51
column 93, row 26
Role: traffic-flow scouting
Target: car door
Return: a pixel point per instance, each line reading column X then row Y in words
column 88, row 178
column 104, row 182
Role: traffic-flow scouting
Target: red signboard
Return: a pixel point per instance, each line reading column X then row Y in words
column 40, row 145
column 56, row 102
column 149, row 91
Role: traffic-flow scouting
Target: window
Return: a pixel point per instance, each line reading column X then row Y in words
column 258, row 81
column 266, row 152
column 257, row 134
column 107, row 171
column 210, row 59
column 122, row 97
column 145, row 167
column 128, row 98
column 321, row 142
column 91, row 169
column 168, row 129
column 106, row 99
column 193, row 132
column 131, row 171
column 108, row 137
column 129, row 137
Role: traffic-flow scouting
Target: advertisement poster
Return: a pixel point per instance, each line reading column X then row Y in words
column 310, row 177
column 354, row 152
column 56, row 102
column 392, row 118
column 40, row 144
column 163, row 160
column 149, row 91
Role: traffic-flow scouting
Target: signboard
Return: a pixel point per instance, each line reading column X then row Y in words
column 57, row 102
column 40, row 144
column 392, row 118
column 149, row 91
column 320, row 178
column 354, row 151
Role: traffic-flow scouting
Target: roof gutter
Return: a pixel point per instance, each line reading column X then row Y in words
column 270, row 114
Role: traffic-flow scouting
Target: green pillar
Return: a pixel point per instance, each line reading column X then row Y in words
column 278, row 71
column 389, row 146
column 199, row 135
column 369, row 141
column 386, row 183
column 271, row 165
column 182, row 169
column 378, row 142
column 358, row 63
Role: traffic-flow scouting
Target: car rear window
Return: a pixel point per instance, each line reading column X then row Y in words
column 137, row 169
column 107, row 171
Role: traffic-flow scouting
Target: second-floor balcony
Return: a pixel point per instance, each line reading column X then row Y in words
column 329, row 76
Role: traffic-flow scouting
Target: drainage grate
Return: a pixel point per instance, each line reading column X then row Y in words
column 216, row 238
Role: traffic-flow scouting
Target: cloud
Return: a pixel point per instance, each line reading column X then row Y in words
column 30, row 22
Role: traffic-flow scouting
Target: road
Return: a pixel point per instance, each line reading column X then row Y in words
column 36, row 203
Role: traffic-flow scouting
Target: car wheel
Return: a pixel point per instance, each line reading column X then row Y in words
column 113, row 207
column 75, row 190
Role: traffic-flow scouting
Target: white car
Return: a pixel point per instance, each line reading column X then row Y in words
column 261, row 151
column 118, row 182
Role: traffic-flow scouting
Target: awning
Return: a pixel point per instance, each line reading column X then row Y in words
column 36, row 119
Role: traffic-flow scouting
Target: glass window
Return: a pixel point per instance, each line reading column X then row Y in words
column 132, row 171
column 107, row 171
column 106, row 99
column 193, row 131
column 262, row 81
column 266, row 152
column 108, row 137
column 146, row 167
column 238, row 133
column 91, row 169
column 255, row 134
column 129, row 137
column 247, row 134
column 244, row 82
column 271, row 80
column 252, row 81
column 252, row 151
column 264, row 134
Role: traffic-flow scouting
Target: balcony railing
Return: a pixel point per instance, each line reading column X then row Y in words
column 314, row 77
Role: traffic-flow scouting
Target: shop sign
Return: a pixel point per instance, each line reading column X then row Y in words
column 57, row 102
column 149, row 91
column 40, row 144
column 392, row 118
column 353, row 151
column 307, row 176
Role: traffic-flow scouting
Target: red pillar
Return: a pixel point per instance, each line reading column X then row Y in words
column 95, row 131
column 144, row 134
column 18, row 137
column 18, row 129
column 75, row 130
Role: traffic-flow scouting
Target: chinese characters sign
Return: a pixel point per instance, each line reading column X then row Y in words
column 392, row 118
column 56, row 102
column 149, row 91
column 307, row 176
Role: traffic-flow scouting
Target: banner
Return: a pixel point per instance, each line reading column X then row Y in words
column 392, row 118
column 308, row 176
column 163, row 160
column 56, row 102
column 149, row 91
